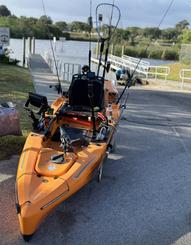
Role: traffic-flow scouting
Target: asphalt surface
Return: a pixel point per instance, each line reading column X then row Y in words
column 145, row 195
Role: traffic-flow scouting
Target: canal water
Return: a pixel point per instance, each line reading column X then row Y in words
column 68, row 51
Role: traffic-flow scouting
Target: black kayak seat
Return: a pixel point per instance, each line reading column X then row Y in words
column 82, row 89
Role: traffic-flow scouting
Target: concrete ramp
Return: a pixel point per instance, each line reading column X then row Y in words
column 43, row 79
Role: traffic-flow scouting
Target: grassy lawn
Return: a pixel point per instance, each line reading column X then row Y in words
column 15, row 83
column 175, row 69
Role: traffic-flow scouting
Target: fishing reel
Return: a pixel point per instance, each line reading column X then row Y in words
column 69, row 143
column 65, row 140
column 102, row 134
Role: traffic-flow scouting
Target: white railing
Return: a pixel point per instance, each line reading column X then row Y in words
column 161, row 71
column 69, row 69
column 136, row 60
column 185, row 74
column 143, row 68
column 130, row 63
column 65, row 70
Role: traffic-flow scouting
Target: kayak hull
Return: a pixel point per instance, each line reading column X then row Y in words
column 37, row 195
column 47, row 175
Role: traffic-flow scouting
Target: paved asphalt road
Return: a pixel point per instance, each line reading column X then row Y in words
column 145, row 195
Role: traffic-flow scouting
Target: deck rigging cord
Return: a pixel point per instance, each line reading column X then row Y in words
column 59, row 87
column 129, row 81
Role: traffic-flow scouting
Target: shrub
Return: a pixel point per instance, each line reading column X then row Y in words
column 142, row 52
column 155, row 53
column 169, row 54
column 117, row 50
column 66, row 35
column 131, row 51
column 4, row 59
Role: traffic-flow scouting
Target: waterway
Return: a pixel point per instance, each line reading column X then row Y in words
column 68, row 51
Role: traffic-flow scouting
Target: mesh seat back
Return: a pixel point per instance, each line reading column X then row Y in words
column 80, row 90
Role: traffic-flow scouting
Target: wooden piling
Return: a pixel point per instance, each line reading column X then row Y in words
column 54, row 41
column 112, row 49
column 97, row 49
column 122, row 50
column 24, row 51
column 33, row 45
column 29, row 45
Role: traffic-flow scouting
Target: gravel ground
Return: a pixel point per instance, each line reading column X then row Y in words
column 145, row 195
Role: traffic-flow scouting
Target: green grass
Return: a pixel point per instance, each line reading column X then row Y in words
column 11, row 145
column 153, row 52
column 15, row 83
column 175, row 69
column 77, row 36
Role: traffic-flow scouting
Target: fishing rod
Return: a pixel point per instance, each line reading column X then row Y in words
column 129, row 80
column 108, row 41
column 59, row 87
column 108, row 38
column 90, row 22
column 90, row 83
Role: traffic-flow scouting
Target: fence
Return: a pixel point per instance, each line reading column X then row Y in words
column 65, row 70
column 159, row 71
column 131, row 64
column 185, row 74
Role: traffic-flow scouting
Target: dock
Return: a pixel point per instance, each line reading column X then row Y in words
column 139, row 68
column 128, row 63
column 43, row 78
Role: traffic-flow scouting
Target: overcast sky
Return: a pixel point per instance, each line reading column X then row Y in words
column 134, row 12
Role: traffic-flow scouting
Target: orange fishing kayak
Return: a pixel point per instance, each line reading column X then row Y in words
column 71, row 138
column 66, row 149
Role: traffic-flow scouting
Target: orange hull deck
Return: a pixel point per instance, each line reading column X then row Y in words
column 42, row 184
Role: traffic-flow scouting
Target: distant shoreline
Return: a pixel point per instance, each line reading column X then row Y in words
column 69, row 39
column 138, row 51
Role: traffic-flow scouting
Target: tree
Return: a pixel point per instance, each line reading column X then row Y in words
column 186, row 36
column 61, row 25
column 152, row 32
column 134, row 33
column 79, row 26
column 169, row 34
column 4, row 11
column 121, row 34
column 126, row 34
column 180, row 26
column 45, row 20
